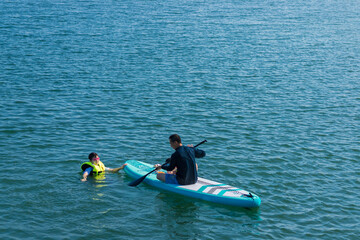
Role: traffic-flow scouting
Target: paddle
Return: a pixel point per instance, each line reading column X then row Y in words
column 138, row 181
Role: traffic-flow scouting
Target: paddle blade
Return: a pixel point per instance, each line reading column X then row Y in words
column 137, row 181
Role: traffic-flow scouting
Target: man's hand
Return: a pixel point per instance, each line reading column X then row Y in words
column 157, row 166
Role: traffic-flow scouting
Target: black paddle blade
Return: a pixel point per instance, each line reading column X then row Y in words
column 137, row 181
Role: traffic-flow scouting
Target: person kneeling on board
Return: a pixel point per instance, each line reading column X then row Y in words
column 96, row 167
column 183, row 159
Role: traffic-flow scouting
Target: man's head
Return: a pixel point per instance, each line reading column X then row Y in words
column 175, row 141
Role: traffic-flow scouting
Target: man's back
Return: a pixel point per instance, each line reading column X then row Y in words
column 184, row 159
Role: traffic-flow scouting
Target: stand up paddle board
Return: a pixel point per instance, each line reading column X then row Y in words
column 203, row 189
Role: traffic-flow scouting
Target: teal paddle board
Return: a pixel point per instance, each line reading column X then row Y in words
column 203, row 189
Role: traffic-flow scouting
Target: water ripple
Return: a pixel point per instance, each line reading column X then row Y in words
column 273, row 87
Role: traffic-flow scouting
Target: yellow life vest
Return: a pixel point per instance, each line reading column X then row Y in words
column 97, row 169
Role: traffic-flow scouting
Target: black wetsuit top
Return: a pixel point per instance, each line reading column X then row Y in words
column 184, row 159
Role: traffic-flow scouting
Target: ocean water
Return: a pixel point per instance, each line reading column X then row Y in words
column 272, row 85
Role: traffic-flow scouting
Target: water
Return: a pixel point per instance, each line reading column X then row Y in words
column 272, row 85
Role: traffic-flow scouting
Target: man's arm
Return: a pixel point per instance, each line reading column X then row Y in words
column 199, row 153
column 171, row 165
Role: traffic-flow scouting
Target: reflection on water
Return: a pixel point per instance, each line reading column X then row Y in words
column 95, row 184
column 99, row 181
column 182, row 215
column 179, row 216
column 252, row 213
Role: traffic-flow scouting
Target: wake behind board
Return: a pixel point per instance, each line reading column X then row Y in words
column 204, row 189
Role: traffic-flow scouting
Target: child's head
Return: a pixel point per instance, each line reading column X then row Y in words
column 94, row 157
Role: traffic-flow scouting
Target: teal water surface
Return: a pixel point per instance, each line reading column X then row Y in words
column 272, row 85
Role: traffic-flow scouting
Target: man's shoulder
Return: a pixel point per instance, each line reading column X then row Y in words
column 177, row 153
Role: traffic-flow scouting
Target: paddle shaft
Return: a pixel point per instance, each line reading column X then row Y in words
column 200, row 143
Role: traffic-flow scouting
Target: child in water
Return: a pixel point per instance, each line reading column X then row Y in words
column 95, row 167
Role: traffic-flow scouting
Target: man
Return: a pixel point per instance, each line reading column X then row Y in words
column 183, row 159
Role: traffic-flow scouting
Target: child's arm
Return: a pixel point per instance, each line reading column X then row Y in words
column 86, row 174
column 116, row 169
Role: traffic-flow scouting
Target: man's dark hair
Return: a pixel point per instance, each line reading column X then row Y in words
column 92, row 155
column 174, row 138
